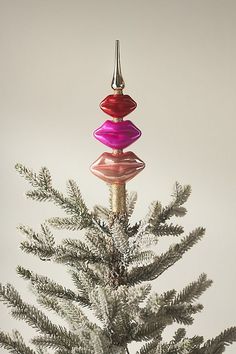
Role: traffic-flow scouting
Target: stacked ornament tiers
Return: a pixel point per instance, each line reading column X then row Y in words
column 117, row 167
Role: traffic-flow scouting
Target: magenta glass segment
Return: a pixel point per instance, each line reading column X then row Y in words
column 117, row 135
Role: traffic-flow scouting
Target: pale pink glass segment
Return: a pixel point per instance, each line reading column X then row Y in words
column 117, row 168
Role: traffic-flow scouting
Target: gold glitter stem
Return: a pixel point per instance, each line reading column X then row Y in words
column 118, row 92
column 118, row 198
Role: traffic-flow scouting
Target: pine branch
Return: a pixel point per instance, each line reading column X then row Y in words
column 14, row 344
column 29, row 175
column 30, row 314
column 142, row 257
column 180, row 196
column 100, row 343
column 179, row 335
column 179, row 345
column 137, row 294
column 185, row 346
column 101, row 226
column 36, row 318
column 195, row 342
column 40, row 350
column 100, row 243
column 44, row 285
column 44, row 178
column 155, row 301
column 120, row 237
column 73, row 315
column 73, row 251
column 167, row 230
column 52, row 195
column 150, row 234
column 119, row 310
column 85, row 281
column 101, row 304
column 181, row 193
column 158, row 215
column 151, row 347
column 56, row 343
column 161, row 309
column 181, row 313
column 194, row 290
column 41, row 244
column 68, row 223
column 167, row 259
column 75, row 195
column 154, row 222
column 73, row 205
column 153, row 214
column 76, row 319
column 217, row 345
column 50, row 303
column 131, row 200
column 133, row 230
column 149, row 221
column 148, row 330
column 101, row 212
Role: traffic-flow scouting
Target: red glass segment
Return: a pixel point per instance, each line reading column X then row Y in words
column 118, row 106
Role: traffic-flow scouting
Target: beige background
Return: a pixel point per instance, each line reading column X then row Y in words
column 178, row 62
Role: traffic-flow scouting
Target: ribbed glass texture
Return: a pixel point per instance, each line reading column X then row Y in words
column 117, row 135
column 118, row 106
column 117, row 168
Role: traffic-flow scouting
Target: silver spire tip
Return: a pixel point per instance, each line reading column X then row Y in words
column 117, row 80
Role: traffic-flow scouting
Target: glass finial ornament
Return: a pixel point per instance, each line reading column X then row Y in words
column 117, row 167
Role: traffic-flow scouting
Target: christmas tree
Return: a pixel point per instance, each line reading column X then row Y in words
column 112, row 264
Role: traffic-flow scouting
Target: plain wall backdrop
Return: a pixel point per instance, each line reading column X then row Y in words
column 178, row 62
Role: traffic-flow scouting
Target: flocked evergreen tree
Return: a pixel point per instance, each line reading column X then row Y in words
column 111, row 267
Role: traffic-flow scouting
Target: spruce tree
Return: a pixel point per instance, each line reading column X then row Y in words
column 112, row 266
